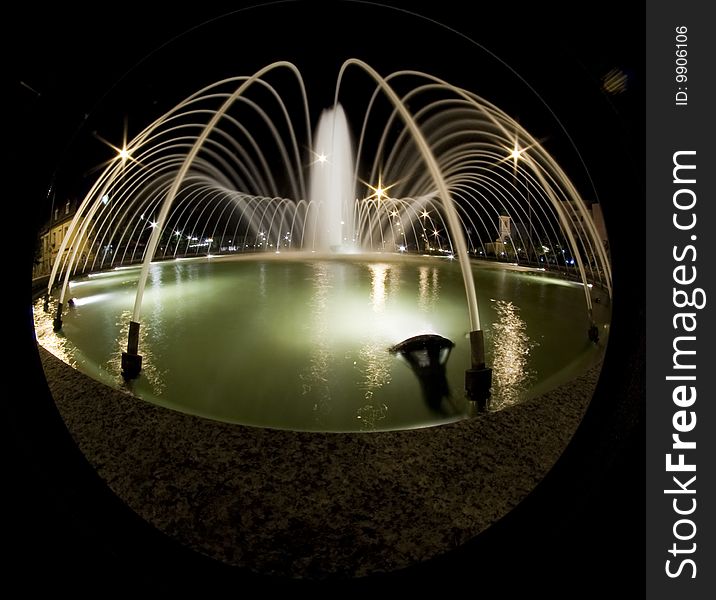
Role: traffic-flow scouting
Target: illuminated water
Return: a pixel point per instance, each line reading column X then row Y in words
column 302, row 344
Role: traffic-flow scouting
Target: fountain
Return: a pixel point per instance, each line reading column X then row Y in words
column 201, row 182
column 329, row 224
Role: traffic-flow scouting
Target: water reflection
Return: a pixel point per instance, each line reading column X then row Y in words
column 428, row 288
column 262, row 279
column 378, row 274
column 427, row 356
column 511, row 347
column 54, row 342
column 371, row 415
column 109, row 370
column 150, row 375
column 314, row 378
column 374, row 361
column 328, row 326
column 158, row 314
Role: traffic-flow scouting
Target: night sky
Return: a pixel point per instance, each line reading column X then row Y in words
column 82, row 70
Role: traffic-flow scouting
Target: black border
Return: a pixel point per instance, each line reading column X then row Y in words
column 580, row 531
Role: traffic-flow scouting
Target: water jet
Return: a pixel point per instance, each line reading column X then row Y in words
column 437, row 182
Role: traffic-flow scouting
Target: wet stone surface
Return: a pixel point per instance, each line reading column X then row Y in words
column 315, row 505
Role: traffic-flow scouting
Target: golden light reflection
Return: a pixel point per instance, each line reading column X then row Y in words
column 154, row 377
column 378, row 274
column 314, row 379
column 375, row 369
column 511, row 347
column 428, row 288
column 60, row 346
column 371, row 414
column 374, row 360
column 54, row 342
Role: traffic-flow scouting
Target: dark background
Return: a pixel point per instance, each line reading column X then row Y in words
column 91, row 69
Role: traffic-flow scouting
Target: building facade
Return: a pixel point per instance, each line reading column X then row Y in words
column 51, row 237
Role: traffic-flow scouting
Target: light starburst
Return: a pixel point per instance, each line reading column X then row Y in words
column 379, row 191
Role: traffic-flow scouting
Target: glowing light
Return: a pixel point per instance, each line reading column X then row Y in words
column 321, row 158
column 123, row 153
column 105, row 199
column 402, row 248
column 615, row 81
column 91, row 299
column 516, row 153
column 379, row 192
column 153, row 224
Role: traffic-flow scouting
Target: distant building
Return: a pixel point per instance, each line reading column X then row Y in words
column 500, row 249
column 51, row 236
column 526, row 240
column 521, row 239
column 505, row 229
column 599, row 224
column 579, row 227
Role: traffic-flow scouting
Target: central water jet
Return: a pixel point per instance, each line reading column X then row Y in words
column 330, row 223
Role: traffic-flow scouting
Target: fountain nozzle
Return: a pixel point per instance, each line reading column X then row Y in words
column 478, row 378
column 57, row 321
column 131, row 359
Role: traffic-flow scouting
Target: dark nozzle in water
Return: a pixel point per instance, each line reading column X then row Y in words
column 478, row 378
column 57, row 321
column 478, row 382
column 427, row 355
column 131, row 359
column 131, row 365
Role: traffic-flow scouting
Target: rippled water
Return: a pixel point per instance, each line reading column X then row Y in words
column 304, row 344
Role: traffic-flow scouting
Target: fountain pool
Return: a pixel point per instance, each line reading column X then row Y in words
column 302, row 343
